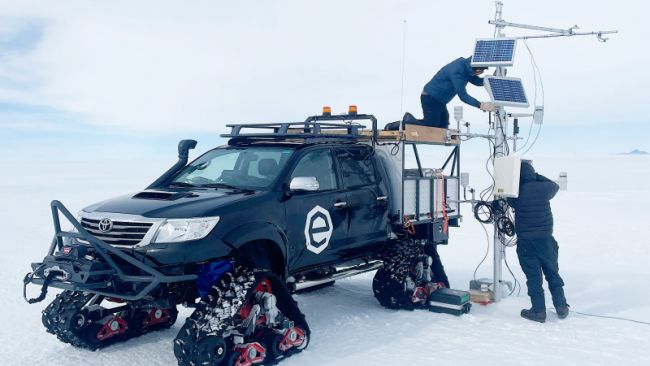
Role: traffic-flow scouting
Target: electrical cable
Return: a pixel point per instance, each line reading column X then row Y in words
column 611, row 317
column 534, row 141
column 486, row 192
column 533, row 65
column 487, row 210
column 536, row 72
column 483, row 203
column 505, row 226
column 498, row 206
column 516, row 283
column 530, row 130
column 539, row 73
column 487, row 251
column 395, row 149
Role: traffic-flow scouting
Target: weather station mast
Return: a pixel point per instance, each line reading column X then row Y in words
column 505, row 92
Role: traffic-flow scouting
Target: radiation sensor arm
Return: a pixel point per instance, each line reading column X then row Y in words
column 537, row 115
column 553, row 32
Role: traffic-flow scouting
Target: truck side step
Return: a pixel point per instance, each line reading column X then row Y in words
column 340, row 273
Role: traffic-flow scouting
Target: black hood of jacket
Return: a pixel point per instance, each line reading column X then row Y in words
column 527, row 173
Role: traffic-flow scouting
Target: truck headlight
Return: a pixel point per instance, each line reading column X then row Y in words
column 178, row 230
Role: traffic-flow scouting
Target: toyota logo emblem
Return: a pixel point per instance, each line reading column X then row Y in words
column 105, row 225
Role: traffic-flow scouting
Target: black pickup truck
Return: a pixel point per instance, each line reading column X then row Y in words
column 234, row 233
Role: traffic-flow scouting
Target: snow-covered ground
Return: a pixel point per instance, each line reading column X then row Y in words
column 601, row 225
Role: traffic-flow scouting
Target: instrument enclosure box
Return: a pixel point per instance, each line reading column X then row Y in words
column 506, row 176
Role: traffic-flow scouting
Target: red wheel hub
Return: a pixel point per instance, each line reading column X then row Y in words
column 157, row 316
column 113, row 326
column 249, row 354
column 293, row 337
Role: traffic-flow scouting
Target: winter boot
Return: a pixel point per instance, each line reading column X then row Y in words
column 536, row 316
column 562, row 311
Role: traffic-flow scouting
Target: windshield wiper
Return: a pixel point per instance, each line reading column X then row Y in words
column 181, row 184
column 223, row 185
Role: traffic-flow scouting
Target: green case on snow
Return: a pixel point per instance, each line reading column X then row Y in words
column 450, row 301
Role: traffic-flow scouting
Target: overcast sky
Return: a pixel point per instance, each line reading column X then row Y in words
column 108, row 73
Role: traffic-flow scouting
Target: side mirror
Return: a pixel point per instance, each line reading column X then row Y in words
column 184, row 147
column 304, row 184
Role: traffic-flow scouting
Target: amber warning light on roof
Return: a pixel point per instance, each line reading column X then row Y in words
column 352, row 109
column 327, row 111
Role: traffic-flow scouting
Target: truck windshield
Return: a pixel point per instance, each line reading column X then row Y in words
column 242, row 168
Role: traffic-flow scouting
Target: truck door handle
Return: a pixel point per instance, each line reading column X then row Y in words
column 382, row 198
column 340, row 204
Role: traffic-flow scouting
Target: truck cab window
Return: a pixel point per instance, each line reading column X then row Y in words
column 356, row 167
column 318, row 164
column 250, row 167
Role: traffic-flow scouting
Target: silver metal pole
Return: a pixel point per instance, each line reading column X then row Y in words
column 499, row 150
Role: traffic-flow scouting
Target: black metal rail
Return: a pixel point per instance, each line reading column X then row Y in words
column 152, row 277
column 313, row 129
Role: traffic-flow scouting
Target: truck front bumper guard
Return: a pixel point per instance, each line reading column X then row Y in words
column 77, row 272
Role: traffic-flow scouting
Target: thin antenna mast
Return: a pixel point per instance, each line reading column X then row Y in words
column 401, row 102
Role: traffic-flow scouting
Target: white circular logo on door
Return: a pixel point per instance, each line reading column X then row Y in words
column 318, row 229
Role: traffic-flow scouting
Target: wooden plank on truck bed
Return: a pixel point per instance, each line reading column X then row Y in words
column 421, row 134
column 425, row 134
column 411, row 133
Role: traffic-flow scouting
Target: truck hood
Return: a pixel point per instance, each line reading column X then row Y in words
column 171, row 203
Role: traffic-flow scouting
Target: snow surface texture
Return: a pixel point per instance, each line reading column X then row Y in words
column 601, row 226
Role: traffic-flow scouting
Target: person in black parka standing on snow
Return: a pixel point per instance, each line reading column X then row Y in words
column 536, row 247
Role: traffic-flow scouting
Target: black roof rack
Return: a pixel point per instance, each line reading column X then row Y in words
column 323, row 128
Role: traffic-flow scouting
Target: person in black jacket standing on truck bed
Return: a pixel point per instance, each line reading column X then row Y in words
column 536, row 247
column 450, row 81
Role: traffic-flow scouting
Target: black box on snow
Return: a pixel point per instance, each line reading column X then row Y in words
column 450, row 301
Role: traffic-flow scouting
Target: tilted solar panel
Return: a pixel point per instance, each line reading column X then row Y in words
column 494, row 52
column 505, row 91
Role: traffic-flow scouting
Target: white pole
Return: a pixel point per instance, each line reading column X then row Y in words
column 499, row 150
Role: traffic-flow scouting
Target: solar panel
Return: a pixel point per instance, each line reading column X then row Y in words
column 506, row 91
column 494, row 52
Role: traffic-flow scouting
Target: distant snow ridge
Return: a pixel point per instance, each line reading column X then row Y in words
column 636, row 152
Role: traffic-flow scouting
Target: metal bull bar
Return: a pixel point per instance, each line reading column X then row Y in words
column 152, row 279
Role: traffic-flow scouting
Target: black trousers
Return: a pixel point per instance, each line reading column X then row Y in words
column 439, row 274
column 435, row 113
column 537, row 257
